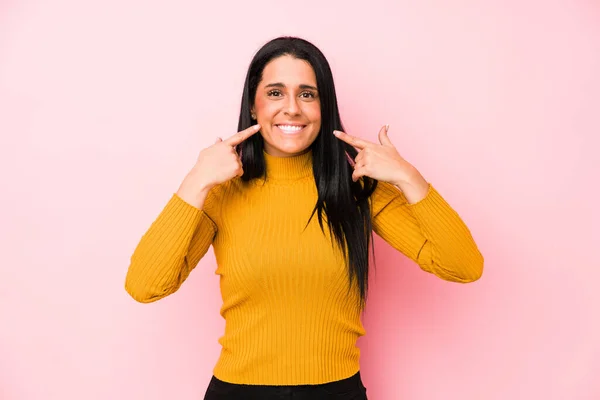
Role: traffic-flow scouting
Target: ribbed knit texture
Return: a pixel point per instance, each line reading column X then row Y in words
column 290, row 316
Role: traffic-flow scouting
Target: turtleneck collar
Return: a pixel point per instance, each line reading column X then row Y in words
column 288, row 168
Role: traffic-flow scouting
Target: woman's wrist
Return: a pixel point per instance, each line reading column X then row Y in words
column 193, row 190
column 413, row 185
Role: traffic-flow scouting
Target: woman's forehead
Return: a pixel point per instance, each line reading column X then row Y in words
column 289, row 71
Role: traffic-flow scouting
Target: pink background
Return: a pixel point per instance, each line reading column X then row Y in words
column 104, row 106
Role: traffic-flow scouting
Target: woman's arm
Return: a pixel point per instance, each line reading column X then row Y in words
column 429, row 231
column 411, row 215
column 186, row 227
column 171, row 248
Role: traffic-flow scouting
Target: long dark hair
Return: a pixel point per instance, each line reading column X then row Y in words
column 345, row 203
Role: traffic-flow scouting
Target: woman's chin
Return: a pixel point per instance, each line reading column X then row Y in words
column 286, row 149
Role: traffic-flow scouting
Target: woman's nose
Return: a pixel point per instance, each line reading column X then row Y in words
column 292, row 106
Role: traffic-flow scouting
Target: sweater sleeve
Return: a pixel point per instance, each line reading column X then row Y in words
column 171, row 248
column 429, row 232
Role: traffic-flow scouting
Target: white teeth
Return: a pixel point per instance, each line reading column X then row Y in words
column 290, row 128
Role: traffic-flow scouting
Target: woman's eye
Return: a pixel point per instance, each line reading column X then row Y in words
column 278, row 93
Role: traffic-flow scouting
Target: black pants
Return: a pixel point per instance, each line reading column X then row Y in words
column 347, row 389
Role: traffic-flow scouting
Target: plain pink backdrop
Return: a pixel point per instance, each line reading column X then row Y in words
column 104, row 106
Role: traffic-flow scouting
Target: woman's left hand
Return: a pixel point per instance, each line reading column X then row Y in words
column 378, row 161
column 383, row 162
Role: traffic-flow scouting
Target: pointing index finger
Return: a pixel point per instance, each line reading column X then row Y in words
column 351, row 140
column 242, row 135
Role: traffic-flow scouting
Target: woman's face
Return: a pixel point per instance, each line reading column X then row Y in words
column 287, row 106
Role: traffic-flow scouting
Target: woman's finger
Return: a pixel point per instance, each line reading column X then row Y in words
column 384, row 138
column 351, row 140
column 242, row 135
column 358, row 173
column 359, row 157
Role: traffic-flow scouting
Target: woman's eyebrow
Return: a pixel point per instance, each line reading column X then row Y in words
column 281, row 85
column 309, row 87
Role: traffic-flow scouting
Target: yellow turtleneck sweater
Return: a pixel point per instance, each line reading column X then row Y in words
column 290, row 318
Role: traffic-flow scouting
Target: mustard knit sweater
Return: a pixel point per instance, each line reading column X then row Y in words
column 290, row 318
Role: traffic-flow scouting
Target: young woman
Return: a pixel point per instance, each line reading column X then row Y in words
column 289, row 204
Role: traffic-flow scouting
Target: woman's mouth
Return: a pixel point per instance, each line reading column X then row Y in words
column 290, row 129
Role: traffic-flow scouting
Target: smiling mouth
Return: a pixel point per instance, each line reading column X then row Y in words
column 290, row 129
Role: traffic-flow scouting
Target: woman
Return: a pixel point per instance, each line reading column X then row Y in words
column 289, row 204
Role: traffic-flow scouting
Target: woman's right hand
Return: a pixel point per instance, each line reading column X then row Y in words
column 216, row 164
